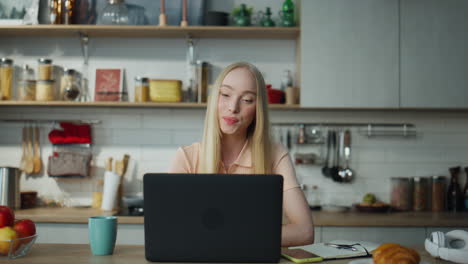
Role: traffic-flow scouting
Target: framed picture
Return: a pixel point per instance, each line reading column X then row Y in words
column 18, row 12
column 109, row 85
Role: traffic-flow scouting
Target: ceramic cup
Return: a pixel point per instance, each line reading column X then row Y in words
column 102, row 234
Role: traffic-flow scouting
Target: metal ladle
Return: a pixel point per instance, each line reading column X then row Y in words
column 326, row 169
column 346, row 173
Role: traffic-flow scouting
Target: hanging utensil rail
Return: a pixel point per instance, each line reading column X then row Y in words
column 366, row 129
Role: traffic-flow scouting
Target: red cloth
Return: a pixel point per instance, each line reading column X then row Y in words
column 71, row 134
column 275, row 96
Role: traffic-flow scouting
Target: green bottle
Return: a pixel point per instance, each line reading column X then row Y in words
column 287, row 16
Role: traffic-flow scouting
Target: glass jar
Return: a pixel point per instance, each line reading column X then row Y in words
column 45, row 90
column 115, row 13
column 141, row 89
column 400, row 198
column 420, row 194
column 44, row 70
column 6, row 79
column 314, row 201
column 438, row 193
column 202, row 72
column 97, row 194
column 27, row 90
column 69, row 86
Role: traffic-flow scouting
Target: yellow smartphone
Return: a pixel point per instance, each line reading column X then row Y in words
column 298, row 255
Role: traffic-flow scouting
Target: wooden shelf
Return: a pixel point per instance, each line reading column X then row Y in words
column 150, row 31
column 120, row 104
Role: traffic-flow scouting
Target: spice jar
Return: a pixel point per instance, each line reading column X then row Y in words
column 420, row 194
column 141, row 89
column 45, row 90
column 44, row 71
column 400, row 198
column 438, row 193
column 6, row 78
column 69, row 86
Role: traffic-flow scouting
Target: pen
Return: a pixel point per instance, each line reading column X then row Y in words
column 341, row 246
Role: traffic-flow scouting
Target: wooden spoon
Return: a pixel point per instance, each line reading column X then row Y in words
column 23, row 156
column 37, row 153
column 29, row 168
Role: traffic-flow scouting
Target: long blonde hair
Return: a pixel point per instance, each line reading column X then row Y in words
column 258, row 132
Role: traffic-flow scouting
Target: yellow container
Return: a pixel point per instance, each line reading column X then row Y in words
column 165, row 90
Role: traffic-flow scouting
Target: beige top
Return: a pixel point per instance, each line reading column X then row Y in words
column 186, row 161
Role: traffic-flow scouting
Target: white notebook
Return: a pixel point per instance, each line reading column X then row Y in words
column 329, row 252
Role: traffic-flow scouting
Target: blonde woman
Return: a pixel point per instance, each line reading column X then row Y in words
column 236, row 140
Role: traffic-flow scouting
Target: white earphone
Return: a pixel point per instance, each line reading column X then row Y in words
column 452, row 246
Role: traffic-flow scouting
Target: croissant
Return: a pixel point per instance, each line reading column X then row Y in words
column 391, row 253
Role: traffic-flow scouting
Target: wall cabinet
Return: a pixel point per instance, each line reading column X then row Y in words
column 434, row 57
column 349, row 54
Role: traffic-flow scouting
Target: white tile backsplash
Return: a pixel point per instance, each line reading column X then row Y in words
column 152, row 136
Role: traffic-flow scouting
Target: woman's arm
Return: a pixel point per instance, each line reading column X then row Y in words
column 300, row 228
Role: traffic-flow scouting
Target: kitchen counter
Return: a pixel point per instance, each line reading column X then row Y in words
column 77, row 254
column 348, row 219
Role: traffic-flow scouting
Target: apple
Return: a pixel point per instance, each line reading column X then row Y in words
column 7, row 216
column 7, row 234
column 25, row 228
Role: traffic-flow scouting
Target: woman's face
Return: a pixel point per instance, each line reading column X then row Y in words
column 237, row 102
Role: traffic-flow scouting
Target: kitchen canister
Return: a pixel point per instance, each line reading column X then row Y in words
column 9, row 187
column 401, row 193
column 165, row 90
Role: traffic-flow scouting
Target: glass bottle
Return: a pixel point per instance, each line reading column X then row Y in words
column 287, row 14
column 115, row 13
column 68, row 11
column 69, row 86
column 6, row 78
column 465, row 191
column 242, row 19
column 266, row 20
column 286, row 80
column 454, row 194
column 141, row 89
column 438, row 193
column 55, row 11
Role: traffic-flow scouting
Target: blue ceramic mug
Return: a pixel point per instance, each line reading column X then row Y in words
column 102, row 234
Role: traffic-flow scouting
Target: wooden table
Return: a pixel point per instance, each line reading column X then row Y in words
column 79, row 253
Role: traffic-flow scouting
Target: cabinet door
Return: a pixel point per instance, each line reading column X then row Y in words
column 434, row 56
column 349, row 53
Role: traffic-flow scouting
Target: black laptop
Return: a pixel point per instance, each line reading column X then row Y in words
column 212, row 217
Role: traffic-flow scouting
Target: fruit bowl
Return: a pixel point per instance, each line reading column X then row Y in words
column 381, row 208
column 11, row 249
